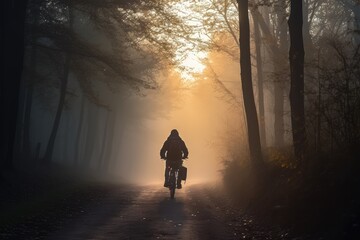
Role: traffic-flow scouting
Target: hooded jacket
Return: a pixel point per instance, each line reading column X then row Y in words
column 174, row 148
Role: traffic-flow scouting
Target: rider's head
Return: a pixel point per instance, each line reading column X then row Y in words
column 174, row 133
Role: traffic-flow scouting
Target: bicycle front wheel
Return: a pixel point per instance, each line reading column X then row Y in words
column 172, row 192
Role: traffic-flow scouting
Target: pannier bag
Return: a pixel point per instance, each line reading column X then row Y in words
column 183, row 173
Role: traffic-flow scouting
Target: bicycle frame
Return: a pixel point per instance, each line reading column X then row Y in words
column 173, row 175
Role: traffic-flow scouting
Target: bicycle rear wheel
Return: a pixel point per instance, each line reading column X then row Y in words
column 172, row 184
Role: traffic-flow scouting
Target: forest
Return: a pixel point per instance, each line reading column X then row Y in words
column 265, row 93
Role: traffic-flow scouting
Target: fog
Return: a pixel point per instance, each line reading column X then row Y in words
column 196, row 107
column 103, row 86
column 109, row 101
column 199, row 120
column 265, row 94
column 203, row 113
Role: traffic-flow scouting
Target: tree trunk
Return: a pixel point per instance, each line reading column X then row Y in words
column 110, row 140
column 296, row 57
column 30, row 84
column 278, row 103
column 259, row 68
column 276, row 54
column 104, row 141
column 246, row 81
column 65, row 139
column 13, row 14
column 19, row 139
column 64, row 81
column 28, row 103
column 26, row 128
column 92, row 128
column 281, row 76
column 78, row 134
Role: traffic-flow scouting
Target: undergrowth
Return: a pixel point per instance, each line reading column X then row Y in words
column 321, row 200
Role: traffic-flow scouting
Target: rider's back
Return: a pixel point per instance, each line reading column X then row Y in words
column 174, row 147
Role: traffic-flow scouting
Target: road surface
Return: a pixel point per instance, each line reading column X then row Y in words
column 147, row 212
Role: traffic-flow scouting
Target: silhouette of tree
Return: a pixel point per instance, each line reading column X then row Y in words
column 296, row 57
column 246, row 80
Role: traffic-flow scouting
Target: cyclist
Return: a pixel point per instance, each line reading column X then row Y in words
column 173, row 151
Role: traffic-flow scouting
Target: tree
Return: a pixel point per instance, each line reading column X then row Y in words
column 276, row 42
column 260, row 82
column 281, row 78
column 13, row 14
column 246, row 81
column 296, row 58
column 123, row 23
column 64, row 79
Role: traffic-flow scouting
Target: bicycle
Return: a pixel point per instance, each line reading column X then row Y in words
column 173, row 178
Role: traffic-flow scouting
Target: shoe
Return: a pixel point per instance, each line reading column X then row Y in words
column 166, row 184
column 179, row 186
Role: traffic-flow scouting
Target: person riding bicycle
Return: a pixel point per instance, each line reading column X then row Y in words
column 173, row 151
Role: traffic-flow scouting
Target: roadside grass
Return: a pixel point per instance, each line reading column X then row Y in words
column 322, row 201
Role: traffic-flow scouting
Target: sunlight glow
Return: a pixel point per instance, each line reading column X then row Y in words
column 190, row 56
column 191, row 65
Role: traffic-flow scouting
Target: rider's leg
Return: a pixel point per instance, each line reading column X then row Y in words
column 166, row 184
column 178, row 184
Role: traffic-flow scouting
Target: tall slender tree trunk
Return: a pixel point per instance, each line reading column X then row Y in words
column 19, row 138
column 281, row 76
column 276, row 55
column 104, row 141
column 260, row 78
column 120, row 130
column 110, row 142
column 30, row 83
column 92, row 128
column 26, row 127
column 79, row 130
column 28, row 103
column 65, row 139
column 296, row 57
column 63, row 87
column 52, row 138
column 246, row 81
column 278, row 103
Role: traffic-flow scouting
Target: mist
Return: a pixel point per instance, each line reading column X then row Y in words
column 265, row 95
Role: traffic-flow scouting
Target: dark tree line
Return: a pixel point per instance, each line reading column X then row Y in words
column 291, row 46
column 66, row 62
column 73, row 49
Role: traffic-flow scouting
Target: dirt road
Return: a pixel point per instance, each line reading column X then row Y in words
column 147, row 212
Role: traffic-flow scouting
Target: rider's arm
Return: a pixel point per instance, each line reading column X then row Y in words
column 163, row 150
column 184, row 150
